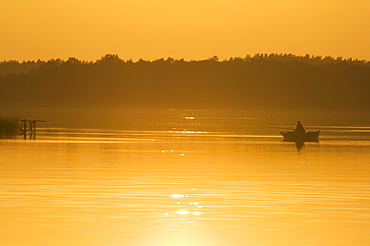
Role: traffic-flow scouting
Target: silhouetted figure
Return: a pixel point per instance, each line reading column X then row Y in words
column 299, row 129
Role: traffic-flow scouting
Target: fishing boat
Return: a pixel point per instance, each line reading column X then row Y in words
column 310, row 136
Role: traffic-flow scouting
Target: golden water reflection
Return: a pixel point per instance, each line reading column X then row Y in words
column 201, row 189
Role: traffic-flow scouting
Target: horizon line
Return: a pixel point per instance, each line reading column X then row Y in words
column 214, row 57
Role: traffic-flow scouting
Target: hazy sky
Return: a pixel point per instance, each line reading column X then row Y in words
column 190, row 29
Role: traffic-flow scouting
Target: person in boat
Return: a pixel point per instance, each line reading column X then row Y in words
column 299, row 129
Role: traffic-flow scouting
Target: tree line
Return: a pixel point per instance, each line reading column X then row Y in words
column 263, row 81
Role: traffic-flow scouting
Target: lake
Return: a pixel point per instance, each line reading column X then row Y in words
column 111, row 177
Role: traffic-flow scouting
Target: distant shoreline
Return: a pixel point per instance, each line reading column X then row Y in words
column 262, row 82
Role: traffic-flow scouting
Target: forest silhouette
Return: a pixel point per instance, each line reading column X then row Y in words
column 262, row 82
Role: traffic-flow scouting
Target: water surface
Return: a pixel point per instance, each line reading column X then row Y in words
column 185, row 177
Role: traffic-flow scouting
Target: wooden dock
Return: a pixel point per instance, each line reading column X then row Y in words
column 29, row 128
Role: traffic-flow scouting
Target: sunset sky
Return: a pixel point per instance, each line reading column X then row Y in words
column 189, row 29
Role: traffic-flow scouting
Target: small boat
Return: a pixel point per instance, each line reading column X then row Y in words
column 310, row 136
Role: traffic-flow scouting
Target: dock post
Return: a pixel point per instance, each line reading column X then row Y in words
column 31, row 129
column 33, row 123
column 24, row 130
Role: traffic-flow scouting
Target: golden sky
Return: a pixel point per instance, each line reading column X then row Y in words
column 189, row 29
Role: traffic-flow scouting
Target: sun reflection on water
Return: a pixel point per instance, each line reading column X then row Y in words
column 190, row 207
column 181, row 222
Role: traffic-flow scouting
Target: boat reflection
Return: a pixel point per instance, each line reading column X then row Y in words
column 299, row 145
